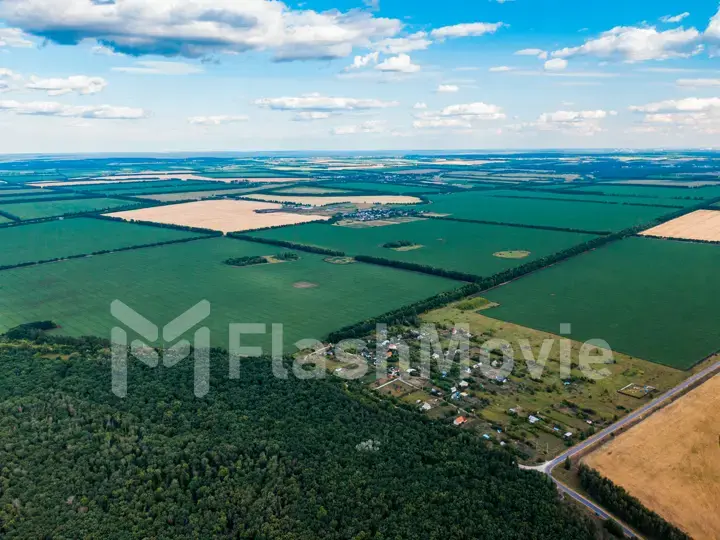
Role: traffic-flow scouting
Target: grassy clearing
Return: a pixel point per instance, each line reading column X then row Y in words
column 549, row 396
column 463, row 247
column 163, row 282
column 486, row 205
column 57, row 239
column 652, row 298
column 40, row 209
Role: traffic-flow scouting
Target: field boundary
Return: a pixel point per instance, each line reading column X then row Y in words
column 618, row 203
column 522, row 225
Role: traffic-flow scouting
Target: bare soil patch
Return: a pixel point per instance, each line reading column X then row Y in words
column 671, row 461
column 699, row 225
column 326, row 201
column 304, row 285
column 408, row 248
column 340, row 260
column 512, row 254
column 221, row 215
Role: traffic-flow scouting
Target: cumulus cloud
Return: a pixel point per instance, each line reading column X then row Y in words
column 216, row 120
column 464, row 116
column 637, row 44
column 700, row 115
column 401, row 63
column 420, row 106
column 310, row 116
column 675, row 18
column 79, row 84
column 364, row 61
column 556, row 64
column 447, row 89
column 320, row 103
column 160, row 68
column 466, row 30
column 698, row 83
column 201, row 28
column 8, row 79
column 14, row 37
column 541, row 54
column 371, row 126
column 691, row 104
column 585, row 123
column 51, row 108
column 414, row 42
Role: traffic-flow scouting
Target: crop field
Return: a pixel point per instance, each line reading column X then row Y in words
column 485, row 205
column 220, row 215
column 675, row 193
column 39, row 197
column 20, row 193
column 162, row 282
column 4, row 220
column 670, row 461
column 471, row 248
column 650, row 298
column 397, row 189
column 77, row 236
column 569, row 195
column 700, row 225
column 326, row 201
column 147, row 186
column 40, row 209
column 196, row 195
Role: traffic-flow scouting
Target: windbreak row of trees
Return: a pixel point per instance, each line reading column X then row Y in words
column 521, row 225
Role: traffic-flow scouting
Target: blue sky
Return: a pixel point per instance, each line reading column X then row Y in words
column 174, row 75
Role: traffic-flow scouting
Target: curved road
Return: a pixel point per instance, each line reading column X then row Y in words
column 649, row 407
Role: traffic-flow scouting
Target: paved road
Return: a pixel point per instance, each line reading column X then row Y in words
column 548, row 467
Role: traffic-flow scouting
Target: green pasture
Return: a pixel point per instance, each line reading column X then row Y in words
column 655, row 192
column 395, row 189
column 129, row 188
column 310, row 297
column 77, row 236
column 569, row 195
column 451, row 245
column 40, row 209
column 590, row 216
column 652, row 299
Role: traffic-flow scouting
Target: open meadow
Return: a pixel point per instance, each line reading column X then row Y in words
column 220, row 215
column 671, row 462
column 77, row 236
column 310, row 296
column 651, row 298
column 45, row 209
column 471, row 248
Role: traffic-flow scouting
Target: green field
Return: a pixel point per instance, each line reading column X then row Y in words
column 40, row 197
column 39, row 209
column 568, row 195
column 77, row 236
column 653, row 299
column 397, row 189
column 19, row 193
column 3, row 219
column 487, row 206
column 660, row 192
column 163, row 282
column 148, row 186
column 451, row 245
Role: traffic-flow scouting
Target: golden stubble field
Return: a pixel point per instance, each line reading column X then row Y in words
column 699, row 225
column 224, row 215
column 671, row 461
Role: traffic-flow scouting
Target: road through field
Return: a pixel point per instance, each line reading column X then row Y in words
column 647, row 409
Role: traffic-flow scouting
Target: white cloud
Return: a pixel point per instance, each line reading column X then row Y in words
column 102, row 50
column 14, row 37
column 364, row 61
column 466, row 30
column 500, row 69
column 435, row 122
column 371, row 126
column 585, row 123
column 216, row 120
column 200, row 28
column 463, row 116
column 51, row 108
column 700, row 115
column 420, row 106
column 414, row 42
column 401, row 63
column 309, row 116
column 160, row 68
column 447, row 89
column 318, row 102
column 541, row 54
column 691, row 104
column 674, row 18
column 636, row 44
column 9, row 79
column 80, row 84
column 698, row 83
column 556, row 64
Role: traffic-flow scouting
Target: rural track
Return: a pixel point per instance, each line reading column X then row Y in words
column 647, row 409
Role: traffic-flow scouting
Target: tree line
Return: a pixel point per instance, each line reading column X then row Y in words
column 620, row 203
column 185, row 228
column 521, row 225
column 286, row 244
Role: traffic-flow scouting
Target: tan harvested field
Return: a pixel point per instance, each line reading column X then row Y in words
column 222, row 215
column 326, row 201
column 196, row 195
column 699, row 225
column 94, row 182
column 671, row 461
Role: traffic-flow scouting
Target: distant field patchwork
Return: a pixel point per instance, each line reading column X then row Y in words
column 486, row 205
column 397, row 189
column 650, row 298
column 40, row 209
column 675, row 193
column 76, row 236
column 309, row 296
column 463, row 247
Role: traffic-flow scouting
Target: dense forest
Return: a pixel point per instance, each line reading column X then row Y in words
column 259, row 457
